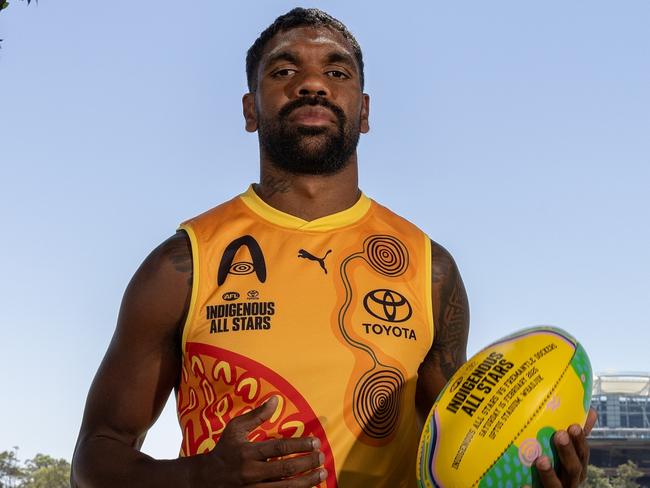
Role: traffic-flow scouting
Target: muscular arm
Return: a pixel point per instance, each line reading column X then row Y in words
column 140, row 369
column 451, row 321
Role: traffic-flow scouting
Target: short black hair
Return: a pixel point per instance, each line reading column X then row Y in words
column 297, row 17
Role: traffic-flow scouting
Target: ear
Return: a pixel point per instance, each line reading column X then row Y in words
column 364, row 126
column 250, row 114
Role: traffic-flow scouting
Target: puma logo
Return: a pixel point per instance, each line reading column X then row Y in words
column 307, row 255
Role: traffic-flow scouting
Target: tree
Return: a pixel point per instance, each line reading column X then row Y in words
column 625, row 477
column 596, row 478
column 10, row 472
column 46, row 472
column 41, row 471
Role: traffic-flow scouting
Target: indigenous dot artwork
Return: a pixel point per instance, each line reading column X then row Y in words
column 512, row 470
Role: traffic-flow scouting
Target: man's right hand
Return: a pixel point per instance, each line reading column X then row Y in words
column 274, row 463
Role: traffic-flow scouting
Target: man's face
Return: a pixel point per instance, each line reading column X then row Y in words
column 308, row 107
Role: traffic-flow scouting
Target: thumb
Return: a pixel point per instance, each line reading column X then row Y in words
column 249, row 421
column 592, row 416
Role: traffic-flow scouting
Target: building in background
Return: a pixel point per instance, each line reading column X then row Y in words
column 622, row 433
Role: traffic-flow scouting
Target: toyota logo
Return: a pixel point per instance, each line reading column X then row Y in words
column 387, row 305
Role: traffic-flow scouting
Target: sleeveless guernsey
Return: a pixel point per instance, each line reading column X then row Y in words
column 333, row 316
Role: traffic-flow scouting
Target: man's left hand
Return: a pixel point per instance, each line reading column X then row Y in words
column 573, row 453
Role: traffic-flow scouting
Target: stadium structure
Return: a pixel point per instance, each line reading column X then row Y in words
column 622, row 433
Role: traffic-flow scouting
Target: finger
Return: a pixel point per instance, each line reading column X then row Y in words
column 249, row 421
column 290, row 467
column 592, row 417
column 579, row 442
column 569, row 460
column 546, row 473
column 308, row 480
column 273, row 448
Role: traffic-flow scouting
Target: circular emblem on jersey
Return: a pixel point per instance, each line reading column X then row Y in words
column 241, row 268
column 388, row 305
column 386, row 255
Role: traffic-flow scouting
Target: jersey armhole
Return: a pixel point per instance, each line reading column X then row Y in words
column 195, row 282
column 427, row 287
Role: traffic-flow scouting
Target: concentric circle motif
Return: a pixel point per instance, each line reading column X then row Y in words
column 241, row 268
column 377, row 403
column 529, row 450
column 386, row 255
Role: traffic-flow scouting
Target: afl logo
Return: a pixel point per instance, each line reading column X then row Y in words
column 387, row 305
column 230, row 296
column 456, row 384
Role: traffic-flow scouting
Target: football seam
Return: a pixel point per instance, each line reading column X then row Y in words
column 532, row 417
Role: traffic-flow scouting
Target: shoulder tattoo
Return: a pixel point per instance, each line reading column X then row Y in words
column 180, row 254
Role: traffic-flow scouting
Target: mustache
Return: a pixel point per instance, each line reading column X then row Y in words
column 312, row 101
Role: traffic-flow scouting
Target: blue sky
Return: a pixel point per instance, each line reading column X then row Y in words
column 516, row 134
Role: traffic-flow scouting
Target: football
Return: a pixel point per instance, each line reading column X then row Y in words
column 499, row 411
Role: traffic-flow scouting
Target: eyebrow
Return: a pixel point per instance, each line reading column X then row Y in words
column 283, row 55
column 341, row 57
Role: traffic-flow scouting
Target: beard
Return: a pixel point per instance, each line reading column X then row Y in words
column 308, row 150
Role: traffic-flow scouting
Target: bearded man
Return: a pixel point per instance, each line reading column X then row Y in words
column 306, row 329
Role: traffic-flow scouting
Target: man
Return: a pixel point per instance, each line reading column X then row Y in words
column 306, row 329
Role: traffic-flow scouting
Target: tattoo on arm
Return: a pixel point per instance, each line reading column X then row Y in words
column 452, row 330
column 180, row 256
column 452, row 317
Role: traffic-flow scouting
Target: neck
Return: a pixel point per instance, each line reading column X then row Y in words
column 309, row 197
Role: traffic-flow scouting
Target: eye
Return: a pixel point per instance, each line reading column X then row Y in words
column 283, row 73
column 340, row 75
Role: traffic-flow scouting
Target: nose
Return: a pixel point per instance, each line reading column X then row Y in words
column 312, row 84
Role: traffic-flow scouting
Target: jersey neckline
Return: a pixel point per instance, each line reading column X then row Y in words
column 329, row 222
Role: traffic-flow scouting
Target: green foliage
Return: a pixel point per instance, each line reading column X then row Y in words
column 46, row 472
column 596, row 478
column 625, row 477
column 41, row 471
column 10, row 471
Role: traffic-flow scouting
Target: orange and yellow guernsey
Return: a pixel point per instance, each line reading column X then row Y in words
column 333, row 316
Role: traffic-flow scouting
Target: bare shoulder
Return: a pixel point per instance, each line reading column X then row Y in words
column 172, row 255
column 161, row 287
column 443, row 265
